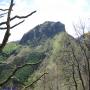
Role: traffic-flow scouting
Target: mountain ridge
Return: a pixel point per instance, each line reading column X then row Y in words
column 43, row 31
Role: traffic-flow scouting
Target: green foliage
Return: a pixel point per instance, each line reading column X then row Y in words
column 11, row 47
column 23, row 73
column 58, row 42
column 35, row 57
column 5, row 71
column 8, row 50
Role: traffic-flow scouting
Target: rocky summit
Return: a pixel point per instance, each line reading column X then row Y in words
column 43, row 31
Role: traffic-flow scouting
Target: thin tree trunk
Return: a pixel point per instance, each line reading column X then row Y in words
column 57, row 77
column 73, row 73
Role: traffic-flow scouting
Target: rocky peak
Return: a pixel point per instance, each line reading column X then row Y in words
column 43, row 31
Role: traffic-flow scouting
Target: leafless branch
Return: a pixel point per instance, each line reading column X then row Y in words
column 4, row 9
column 3, row 28
column 17, row 24
column 8, row 27
column 21, row 17
column 2, row 23
column 77, row 32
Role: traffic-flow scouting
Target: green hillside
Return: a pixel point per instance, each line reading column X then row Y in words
column 50, row 64
column 9, row 49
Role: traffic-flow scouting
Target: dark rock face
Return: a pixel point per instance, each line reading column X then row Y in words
column 43, row 31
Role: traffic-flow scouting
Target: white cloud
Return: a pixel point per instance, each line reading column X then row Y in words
column 65, row 11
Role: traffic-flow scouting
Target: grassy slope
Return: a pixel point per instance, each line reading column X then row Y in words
column 54, row 62
column 57, row 66
column 20, row 56
column 9, row 48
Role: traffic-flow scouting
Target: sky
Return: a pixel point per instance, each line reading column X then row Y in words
column 68, row 12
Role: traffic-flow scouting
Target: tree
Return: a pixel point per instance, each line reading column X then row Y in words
column 8, row 27
column 80, row 59
column 5, row 40
column 83, row 43
column 7, row 23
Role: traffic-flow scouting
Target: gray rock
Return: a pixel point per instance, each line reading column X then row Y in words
column 43, row 31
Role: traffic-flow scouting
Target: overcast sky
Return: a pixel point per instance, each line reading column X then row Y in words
column 65, row 11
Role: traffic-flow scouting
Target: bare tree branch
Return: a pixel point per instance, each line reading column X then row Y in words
column 17, row 24
column 7, row 33
column 2, row 23
column 21, row 17
column 4, row 9
column 3, row 28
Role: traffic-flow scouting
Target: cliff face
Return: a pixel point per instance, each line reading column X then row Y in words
column 43, row 31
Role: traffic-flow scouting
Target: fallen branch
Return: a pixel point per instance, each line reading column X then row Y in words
column 35, row 81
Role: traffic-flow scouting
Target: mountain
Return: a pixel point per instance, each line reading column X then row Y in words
column 49, row 48
column 42, row 32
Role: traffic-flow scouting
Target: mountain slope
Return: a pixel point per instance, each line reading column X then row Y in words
column 56, row 65
column 50, row 45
